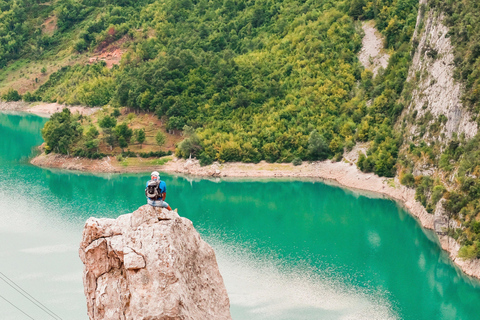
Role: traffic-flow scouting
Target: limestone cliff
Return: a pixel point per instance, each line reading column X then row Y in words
column 435, row 114
column 150, row 264
column 435, row 91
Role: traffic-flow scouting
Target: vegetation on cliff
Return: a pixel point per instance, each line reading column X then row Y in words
column 449, row 168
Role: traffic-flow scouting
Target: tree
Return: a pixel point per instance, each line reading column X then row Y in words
column 60, row 132
column 190, row 145
column 356, row 8
column 140, row 136
column 317, row 146
column 92, row 133
column 160, row 138
column 116, row 113
column 12, row 95
column 122, row 130
column 122, row 142
column 107, row 122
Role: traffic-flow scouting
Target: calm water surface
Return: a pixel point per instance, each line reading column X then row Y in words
column 286, row 249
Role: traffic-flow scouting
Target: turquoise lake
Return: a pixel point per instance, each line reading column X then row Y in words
column 286, row 249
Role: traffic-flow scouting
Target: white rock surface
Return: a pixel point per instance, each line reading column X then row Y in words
column 372, row 55
column 436, row 91
column 150, row 264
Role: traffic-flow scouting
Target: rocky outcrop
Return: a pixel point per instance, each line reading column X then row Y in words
column 435, row 90
column 150, row 264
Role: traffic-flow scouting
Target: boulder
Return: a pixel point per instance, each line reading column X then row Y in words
column 150, row 264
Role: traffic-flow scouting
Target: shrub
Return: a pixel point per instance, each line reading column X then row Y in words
column 28, row 97
column 437, row 193
column 469, row 251
column 80, row 46
column 116, row 113
column 12, row 95
column 297, row 161
column 408, row 180
column 317, row 146
column 160, row 138
column 205, row 159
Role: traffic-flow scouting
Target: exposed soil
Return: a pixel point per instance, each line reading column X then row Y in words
column 372, row 55
column 110, row 53
column 50, row 25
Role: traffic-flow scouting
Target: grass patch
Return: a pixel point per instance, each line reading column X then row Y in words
column 160, row 161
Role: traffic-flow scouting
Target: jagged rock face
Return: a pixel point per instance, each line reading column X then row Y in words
column 150, row 264
column 435, row 89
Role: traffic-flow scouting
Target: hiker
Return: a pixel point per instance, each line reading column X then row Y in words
column 156, row 191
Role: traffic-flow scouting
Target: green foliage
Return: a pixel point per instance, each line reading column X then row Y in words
column 140, row 135
column 470, row 251
column 107, row 122
column 424, row 187
column 437, row 193
column 122, row 142
column 297, row 161
column 160, row 138
column 317, row 146
column 29, row 97
column 70, row 12
column 60, row 132
column 408, row 180
column 116, row 113
column 13, row 28
column 90, row 85
column 190, row 146
column 12, row 95
column 123, row 131
column 356, row 8
column 254, row 79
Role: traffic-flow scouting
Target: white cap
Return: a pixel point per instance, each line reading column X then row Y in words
column 155, row 174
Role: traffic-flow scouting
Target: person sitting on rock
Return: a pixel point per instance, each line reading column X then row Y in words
column 156, row 191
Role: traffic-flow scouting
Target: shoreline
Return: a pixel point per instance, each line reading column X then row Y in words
column 44, row 109
column 343, row 173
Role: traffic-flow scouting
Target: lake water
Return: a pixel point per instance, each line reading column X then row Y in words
column 286, row 249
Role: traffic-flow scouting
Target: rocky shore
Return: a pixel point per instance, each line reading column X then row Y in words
column 44, row 109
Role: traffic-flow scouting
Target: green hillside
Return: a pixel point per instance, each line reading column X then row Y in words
column 273, row 80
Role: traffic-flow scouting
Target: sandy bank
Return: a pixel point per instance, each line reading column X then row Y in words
column 44, row 109
column 346, row 174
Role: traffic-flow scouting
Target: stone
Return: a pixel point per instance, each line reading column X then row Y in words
column 150, row 264
column 437, row 91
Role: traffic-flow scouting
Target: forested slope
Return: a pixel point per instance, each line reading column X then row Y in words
column 273, row 80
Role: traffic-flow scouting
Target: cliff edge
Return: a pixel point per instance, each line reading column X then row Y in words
column 150, row 264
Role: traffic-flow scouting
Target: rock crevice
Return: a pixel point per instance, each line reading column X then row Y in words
column 150, row 264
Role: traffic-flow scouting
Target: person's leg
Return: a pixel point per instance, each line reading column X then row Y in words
column 151, row 202
column 166, row 205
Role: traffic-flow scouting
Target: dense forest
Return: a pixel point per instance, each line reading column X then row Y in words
column 257, row 80
column 254, row 80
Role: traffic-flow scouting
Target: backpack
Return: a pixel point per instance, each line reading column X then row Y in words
column 152, row 191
